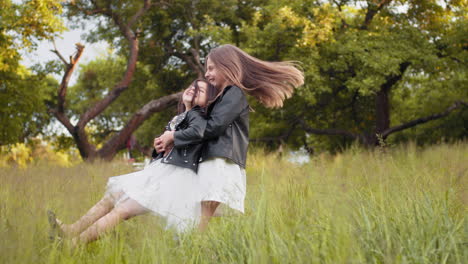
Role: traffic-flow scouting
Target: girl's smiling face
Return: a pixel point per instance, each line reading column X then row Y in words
column 199, row 97
column 214, row 76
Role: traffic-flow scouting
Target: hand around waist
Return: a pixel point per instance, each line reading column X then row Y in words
column 164, row 143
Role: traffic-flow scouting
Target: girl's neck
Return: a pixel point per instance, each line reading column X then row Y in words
column 188, row 107
column 226, row 84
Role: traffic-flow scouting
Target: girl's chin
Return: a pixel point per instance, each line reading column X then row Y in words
column 187, row 100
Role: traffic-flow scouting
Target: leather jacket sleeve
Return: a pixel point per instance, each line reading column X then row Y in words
column 224, row 112
column 193, row 133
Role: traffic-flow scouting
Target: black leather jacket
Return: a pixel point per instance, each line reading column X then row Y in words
column 188, row 131
column 227, row 130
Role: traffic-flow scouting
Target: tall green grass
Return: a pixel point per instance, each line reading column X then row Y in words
column 406, row 205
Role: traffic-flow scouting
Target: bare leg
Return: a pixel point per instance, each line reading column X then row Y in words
column 101, row 208
column 208, row 209
column 126, row 210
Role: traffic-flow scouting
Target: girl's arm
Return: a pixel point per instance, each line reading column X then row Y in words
column 193, row 133
column 228, row 109
column 224, row 112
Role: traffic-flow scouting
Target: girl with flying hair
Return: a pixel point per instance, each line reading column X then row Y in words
column 234, row 73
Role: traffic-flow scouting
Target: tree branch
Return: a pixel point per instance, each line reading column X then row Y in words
column 372, row 9
column 64, row 120
column 125, row 29
column 55, row 50
column 422, row 120
column 131, row 64
column 118, row 140
column 197, row 61
column 192, row 61
column 139, row 13
column 339, row 5
column 281, row 137
column 91, row 12
column 62, row 92
column 337, row 132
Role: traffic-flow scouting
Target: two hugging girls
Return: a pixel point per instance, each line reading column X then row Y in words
column 200, row 159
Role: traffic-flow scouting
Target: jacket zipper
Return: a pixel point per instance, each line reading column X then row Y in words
column 168, row 155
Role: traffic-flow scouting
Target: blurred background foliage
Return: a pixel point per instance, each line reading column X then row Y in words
column 414, row 52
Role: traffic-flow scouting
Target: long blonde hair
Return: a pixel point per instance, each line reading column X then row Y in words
column 270, row 82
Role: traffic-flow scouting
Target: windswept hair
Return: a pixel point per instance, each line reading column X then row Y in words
column 270, row 82
column 210, row 95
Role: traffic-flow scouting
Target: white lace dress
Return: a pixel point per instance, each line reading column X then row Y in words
column 175, row 193
column 163, row 189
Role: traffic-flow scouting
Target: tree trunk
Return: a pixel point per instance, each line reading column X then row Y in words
column 87, row 150
column 382, row 107
column 382, row 110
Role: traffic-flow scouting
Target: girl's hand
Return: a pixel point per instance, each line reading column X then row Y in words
column 165, row 142
column 158, row 145
column 168, row 150
column 167, row 139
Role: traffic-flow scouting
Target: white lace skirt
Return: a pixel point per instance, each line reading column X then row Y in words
column 223, row 181
column 165, row 190
column 176, row 193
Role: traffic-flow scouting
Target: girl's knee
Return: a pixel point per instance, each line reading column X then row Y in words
column 123, row 213
column 108, row 199
column 210, row 204
column 129, row 208
column 113, row 197
column 209, row 208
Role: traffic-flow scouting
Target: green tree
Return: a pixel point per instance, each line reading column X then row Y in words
column 163, row 39
column 23, row 93
column 372, row 70
column 124, row 21
column 376, row 68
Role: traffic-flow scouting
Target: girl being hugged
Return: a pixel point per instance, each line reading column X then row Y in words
column 164, row 187
column 234, row 73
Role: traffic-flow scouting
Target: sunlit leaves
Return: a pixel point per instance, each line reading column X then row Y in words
column 23, row 94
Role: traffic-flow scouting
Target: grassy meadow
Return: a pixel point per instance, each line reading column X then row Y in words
column 401, row 205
